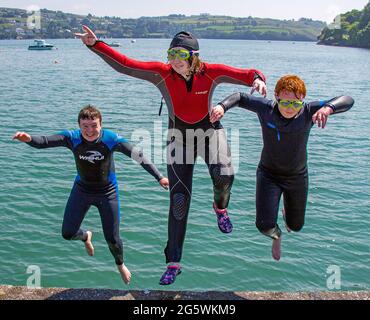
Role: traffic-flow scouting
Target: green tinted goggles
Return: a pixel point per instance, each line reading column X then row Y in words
column 181, row 54
column 295, row 104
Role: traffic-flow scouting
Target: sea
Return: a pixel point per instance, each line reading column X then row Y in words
column 41, row 92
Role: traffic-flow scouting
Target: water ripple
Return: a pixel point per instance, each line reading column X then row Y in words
column 42, row 97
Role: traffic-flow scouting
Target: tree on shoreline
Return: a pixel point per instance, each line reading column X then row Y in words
column 354, row 30
column 13, row 24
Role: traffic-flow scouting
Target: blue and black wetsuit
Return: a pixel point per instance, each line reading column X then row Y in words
column 95, row 183
column 283, row 165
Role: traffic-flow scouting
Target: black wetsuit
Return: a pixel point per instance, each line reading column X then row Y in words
column 186, row 143
column 95, row 183
column 283, row 165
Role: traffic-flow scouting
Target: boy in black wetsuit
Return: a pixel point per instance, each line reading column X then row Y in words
column 286, row 125
column 96, row 182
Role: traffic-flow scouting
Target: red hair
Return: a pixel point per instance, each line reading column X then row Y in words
column 291, row 83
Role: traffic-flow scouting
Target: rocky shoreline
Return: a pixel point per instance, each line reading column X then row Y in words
column 343, row 45
column 8, row 292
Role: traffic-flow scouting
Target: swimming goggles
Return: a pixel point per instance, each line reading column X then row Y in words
column 295, row 104
column 182, row 54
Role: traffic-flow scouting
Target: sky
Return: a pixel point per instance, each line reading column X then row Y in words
column 324, row 10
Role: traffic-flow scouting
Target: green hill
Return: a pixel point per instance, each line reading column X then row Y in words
column 351, row 29
column 57, row 24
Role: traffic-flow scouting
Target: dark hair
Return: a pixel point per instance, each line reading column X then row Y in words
column 89, row 113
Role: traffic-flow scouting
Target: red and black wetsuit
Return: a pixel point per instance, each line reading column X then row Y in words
column 189, row 104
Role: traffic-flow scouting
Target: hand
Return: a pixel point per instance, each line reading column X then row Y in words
column 260, row 86
column 217, row 113
column 22, row 136
column 321, row 116
column 89, row 38
column 164, row 183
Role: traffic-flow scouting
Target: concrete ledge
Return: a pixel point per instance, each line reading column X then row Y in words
column 23, row 293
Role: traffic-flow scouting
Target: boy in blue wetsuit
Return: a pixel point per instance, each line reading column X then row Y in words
column 96, row 183
column 286, row 123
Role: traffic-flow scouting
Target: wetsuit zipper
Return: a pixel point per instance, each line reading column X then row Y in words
column 271, row 125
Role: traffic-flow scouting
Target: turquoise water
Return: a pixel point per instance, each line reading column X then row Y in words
column 41, row 96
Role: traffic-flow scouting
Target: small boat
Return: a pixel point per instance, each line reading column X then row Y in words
column 114, row 44
column 133, row 41
column 40, row 45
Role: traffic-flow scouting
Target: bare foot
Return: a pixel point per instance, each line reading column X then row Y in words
column 276, row 249
column 125, row 273
column 88, row 245
column 286, row 225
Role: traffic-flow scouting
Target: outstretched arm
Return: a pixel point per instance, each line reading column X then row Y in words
column 42, row 142
column 135, row 154
column 323, row 109
column 227, row 74
column 242, row 100
column 150, row 71
column 340, row 104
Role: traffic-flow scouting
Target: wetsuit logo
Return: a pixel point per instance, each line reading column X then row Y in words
column 202, row 92
column 94, row 156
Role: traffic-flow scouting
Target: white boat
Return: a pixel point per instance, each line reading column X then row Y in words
column 40, row 45
column 114, row 44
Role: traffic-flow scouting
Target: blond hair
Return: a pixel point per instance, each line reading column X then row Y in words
column 195, row 65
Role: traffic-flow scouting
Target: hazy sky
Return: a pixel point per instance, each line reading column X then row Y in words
column 324, row 10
